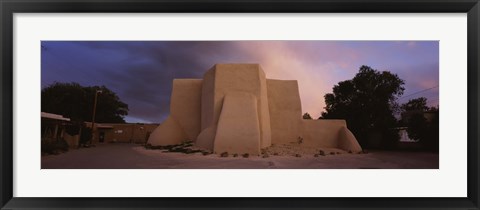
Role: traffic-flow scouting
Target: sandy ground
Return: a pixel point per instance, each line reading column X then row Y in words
column 130, row 156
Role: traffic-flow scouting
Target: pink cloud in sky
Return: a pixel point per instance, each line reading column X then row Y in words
column 315, row 66
column 319, row 65
column 126, row 66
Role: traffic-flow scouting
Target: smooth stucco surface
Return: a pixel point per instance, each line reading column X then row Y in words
column 238, row 128
column 167, row 133
column 347, row 141
column 329, row 133
column 206, row 138
column 321, row 133
column 208, row 99
column 236, row 109
column 185, row 105
column 285, row 110
column 236, row 77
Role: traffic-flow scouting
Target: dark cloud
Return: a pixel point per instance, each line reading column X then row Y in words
column 141, row 72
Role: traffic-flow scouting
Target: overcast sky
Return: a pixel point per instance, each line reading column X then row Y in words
column 141, row 72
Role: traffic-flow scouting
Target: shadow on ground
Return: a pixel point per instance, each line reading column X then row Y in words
column 130, row 156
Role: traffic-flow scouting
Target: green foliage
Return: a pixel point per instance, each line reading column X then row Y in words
column 307, row 116
column 367, row 103
column 76, row 102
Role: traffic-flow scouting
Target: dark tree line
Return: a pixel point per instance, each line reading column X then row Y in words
column 368, row 103
column 422, row 122
column 76, row 102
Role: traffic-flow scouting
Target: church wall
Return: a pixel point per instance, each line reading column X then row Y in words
column 285, row 110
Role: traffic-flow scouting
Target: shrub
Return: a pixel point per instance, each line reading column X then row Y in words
column 322, row 153
column 50, row 146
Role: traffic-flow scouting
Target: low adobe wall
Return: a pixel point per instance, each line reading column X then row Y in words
column 125, row 132
column 72, row 141
column 329, row 134
column 321, row 133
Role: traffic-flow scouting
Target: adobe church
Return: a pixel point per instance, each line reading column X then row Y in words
column 236, row 109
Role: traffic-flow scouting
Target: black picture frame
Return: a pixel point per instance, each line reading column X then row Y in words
column 9, row 7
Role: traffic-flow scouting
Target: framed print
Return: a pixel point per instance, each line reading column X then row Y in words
column 252, row 105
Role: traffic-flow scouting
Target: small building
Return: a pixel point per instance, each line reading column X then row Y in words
column 137, row 133
column 54, row 129
column 405, row 142
column 403, row 133
column 53, row 126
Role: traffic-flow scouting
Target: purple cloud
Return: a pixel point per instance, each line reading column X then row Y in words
column 141, row 72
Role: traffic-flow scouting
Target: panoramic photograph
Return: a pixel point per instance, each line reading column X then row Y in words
column 240, row 104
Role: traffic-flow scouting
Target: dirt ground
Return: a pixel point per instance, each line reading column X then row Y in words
column 130, row 156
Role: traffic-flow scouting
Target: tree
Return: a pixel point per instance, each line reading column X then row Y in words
column 432, row 139
column 367, row 103
column 424, row 130
column 417, row 126
column 76, row 102
column 417, row 104
column 307, row 116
